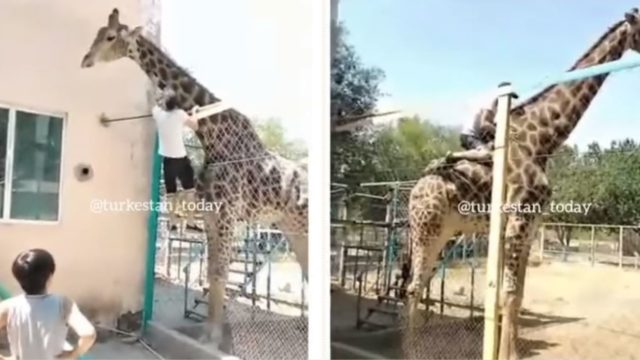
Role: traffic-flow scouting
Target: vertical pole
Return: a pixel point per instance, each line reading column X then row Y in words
column 167, row 253
column 620, row 247
column 268, row 259
column 464, row 248
column 342, row 270
column 496, row 233
column 355, row 267
column 443, row 275
column 179, row 258
column 593, row 245
column 152, row 238
column 254, row 251
column 302, row 294
column 385, row 254
column 542, row 230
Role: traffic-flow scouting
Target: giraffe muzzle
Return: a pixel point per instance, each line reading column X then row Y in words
column 87, row 61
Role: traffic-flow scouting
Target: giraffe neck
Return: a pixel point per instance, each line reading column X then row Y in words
column 223, row 137
column 557, row 110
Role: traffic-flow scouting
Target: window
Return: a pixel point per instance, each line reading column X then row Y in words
column 30, row 155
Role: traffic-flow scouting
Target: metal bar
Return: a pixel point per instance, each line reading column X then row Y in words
column 268, row 274
column 620, row 247
column 580, row 74
column 152, row 238
column 590, row 225
column 496, row 239
column 355, row 268
column 342, row 270
column 105, row 119
column 380, row 183
column 179, row 257
column 168, row 262
column 302, row 293
column 365, row 195
column 254, row 250
column 357, row 280
column 593, row 245
column 442, row 284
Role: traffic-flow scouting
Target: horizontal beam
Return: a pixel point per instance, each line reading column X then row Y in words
column 583, row 73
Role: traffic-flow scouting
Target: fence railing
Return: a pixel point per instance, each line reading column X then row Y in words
column 617, row 245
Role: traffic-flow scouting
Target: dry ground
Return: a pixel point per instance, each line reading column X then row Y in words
column 572, row 311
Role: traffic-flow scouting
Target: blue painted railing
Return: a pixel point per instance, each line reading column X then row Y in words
column 580, row 74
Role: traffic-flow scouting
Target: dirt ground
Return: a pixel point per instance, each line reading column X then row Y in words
column 571, row 311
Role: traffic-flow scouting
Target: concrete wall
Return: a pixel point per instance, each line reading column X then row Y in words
column 100, row 256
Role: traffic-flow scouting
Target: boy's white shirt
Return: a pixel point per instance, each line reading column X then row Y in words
column 37, row 324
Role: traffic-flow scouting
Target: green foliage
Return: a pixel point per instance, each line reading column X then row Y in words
column 355, row 88
column 273, row 135
column 608, row 179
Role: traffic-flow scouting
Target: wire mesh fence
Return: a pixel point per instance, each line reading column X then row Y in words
column 573, row 270
column 265, row 303
column 370, row 266
column 266, row 308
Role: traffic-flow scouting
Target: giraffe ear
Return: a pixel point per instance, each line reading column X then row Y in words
column 114, row 18
column 136, row 31
column 632, row 16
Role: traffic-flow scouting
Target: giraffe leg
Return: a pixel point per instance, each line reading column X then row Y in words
column 517, row 240
column 218, row 228
column 427, row 238
column 294, row 226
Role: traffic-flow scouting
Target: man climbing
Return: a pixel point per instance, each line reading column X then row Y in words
column 170, row 120
column 473, row 137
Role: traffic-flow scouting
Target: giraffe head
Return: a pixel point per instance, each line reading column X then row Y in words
column 111, row 43
column 632, row 18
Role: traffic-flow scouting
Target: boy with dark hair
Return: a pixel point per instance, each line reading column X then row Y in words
column 37, row 321
column 170, row 120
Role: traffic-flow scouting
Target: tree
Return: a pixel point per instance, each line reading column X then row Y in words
column 607, row 179
column 273, row 135
column 355, row 90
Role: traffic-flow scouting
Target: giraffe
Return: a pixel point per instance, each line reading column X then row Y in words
column 538, row 127
column 250, row 182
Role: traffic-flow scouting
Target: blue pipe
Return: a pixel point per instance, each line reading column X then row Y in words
column 580, row 74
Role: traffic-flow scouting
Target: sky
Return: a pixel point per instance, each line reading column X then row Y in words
column 255, row 54
column 441, row 57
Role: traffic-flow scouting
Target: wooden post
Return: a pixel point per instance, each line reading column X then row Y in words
column 542, row 228
column 620, row 247
column 593, row 245
column 496, row 230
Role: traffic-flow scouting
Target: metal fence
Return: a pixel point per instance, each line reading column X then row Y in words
column 565, row 260
column 370, row 256
column 266, row 307
column 590, row 243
